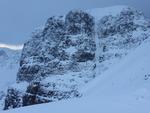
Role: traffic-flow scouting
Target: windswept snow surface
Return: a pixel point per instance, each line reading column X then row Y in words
column 123, row 88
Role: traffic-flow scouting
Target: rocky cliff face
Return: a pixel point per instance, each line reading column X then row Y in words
column 60, row 47
column 71, row 50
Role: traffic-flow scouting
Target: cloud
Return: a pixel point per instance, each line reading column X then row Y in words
column 13, row 47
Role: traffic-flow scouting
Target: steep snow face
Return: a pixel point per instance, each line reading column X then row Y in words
column 72, row 50
column 130, row 76
column 9, row 64
column 9, row 58
column 118, row 34
column 123, row 88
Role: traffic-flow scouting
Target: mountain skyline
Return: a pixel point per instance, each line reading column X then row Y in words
column 20, row 18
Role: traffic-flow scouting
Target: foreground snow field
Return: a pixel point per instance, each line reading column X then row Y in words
column 124, row 88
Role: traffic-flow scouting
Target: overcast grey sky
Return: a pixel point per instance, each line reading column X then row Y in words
column 18, row 18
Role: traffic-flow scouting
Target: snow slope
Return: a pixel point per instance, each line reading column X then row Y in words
column 9, row 63
column 124, row 88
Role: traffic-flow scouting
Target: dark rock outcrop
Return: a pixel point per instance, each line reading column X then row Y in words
column 36, row 93
column 44, row 53
column 79, row 22
column 13, row 99
column 122, row 23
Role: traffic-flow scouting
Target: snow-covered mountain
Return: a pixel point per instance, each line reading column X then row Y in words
column 84, row 53
column 123, row 88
